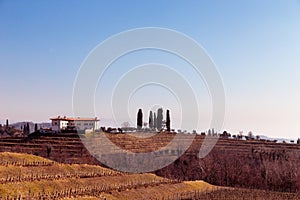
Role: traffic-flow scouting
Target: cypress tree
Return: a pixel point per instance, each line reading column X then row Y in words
column 27, row 128
column 209, row 132
column 150, row 120
column 139, row 119
column 154, row 121
column 35, row 127
column 168, row 121
column 6, row 122
column 159, row 118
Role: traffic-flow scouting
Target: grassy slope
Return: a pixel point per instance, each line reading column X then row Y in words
column 157, row 192
column 7, row 157
column 152, row 188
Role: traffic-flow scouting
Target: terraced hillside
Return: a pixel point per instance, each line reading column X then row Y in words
column 62, row 149
column 32, row 177
column 24, row 176
column 235, row 163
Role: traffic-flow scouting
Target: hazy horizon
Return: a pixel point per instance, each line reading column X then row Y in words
column 255, row 46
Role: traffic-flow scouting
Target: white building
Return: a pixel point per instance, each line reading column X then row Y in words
column 69, row 123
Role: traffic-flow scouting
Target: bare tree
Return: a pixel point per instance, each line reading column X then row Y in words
column 250, row 135
column 125, row 124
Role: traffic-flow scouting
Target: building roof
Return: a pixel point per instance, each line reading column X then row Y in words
column 74, row 118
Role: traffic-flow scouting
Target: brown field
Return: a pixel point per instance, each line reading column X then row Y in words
column 25, row 176
column 29, row 176
column 235, row 163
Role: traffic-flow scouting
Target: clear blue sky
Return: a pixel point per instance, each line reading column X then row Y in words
column 255, row 45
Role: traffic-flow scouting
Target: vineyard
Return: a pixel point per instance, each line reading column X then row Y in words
column 234, row 163
column 24, row 176
column 234, row 194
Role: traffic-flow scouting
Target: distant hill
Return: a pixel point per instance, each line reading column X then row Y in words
column 279, row 140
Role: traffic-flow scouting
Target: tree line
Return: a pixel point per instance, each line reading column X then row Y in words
column 155, row 122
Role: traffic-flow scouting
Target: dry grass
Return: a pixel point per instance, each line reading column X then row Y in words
column 56, row 178
column 60, row 178
column 83, row 198
column 8, row 158
column 50, row 186
column 248, row 194
column 161, row 191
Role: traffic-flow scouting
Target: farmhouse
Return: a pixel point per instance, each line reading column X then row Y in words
column 70, row 123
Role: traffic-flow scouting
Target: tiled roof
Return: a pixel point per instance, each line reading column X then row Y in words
column 75, row 119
